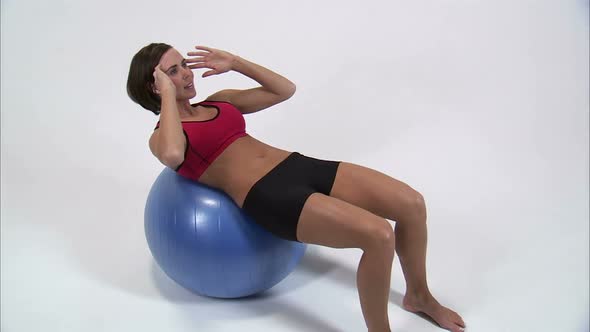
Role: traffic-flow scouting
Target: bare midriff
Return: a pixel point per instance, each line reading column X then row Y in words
column 241, row 165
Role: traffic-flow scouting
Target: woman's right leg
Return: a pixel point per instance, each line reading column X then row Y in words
column 331, row 222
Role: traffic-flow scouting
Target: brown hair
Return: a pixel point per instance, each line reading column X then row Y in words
column 141, row 76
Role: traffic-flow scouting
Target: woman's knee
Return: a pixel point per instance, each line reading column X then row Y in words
column 382, row 236
column 415, row 204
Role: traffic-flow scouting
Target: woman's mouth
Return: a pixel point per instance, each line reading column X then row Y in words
column 190, row 86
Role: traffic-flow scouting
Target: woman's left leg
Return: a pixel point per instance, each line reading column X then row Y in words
column 395, row 200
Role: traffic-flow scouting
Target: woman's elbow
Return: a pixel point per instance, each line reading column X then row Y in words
column 292, row 89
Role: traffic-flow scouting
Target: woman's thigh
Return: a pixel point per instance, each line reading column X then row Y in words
column 376, row 192
column 331, row 222
column 346, row 201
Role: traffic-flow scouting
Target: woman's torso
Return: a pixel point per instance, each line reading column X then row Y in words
column 241, row 164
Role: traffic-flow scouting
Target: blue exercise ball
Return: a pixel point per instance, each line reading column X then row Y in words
column 202, row 240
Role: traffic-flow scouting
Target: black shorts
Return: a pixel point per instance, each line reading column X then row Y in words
column 276, row 200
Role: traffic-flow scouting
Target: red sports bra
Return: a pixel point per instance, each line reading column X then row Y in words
column 207, row 139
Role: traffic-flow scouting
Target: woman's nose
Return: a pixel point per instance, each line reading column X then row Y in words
column 187, row 73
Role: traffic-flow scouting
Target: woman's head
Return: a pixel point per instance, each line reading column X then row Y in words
column 140, row 82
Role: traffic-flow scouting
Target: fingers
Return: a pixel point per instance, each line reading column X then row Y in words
column 209, row 73
column 197, row 53
column 198, row 65
column 156, row 70
column 199, row 47
column 194, row 60
column 154, row 85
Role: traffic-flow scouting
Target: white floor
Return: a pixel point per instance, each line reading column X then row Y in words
column 482, row 106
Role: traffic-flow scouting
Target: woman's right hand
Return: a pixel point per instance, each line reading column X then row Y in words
column 163, row 83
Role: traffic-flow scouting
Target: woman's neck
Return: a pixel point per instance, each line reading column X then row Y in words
column 184, row 108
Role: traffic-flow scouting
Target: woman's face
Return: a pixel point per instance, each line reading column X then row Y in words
column 174, row 65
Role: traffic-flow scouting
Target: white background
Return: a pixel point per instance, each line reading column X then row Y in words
column 482, row 106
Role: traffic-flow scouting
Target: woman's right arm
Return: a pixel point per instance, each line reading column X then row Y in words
column 168, row 143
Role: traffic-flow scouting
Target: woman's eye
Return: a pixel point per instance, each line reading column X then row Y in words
column 173, row 71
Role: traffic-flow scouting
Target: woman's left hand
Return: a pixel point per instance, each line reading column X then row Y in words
column 219, row 61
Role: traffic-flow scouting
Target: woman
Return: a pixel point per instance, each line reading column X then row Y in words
column 329, row 203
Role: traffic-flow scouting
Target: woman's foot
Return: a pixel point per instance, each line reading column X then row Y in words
column 445, row 317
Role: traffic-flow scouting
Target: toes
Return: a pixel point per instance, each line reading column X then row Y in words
column 459, row 321
column 455, row 318
column 456, row 328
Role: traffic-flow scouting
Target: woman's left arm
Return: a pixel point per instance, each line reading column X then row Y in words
column 273, row 90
